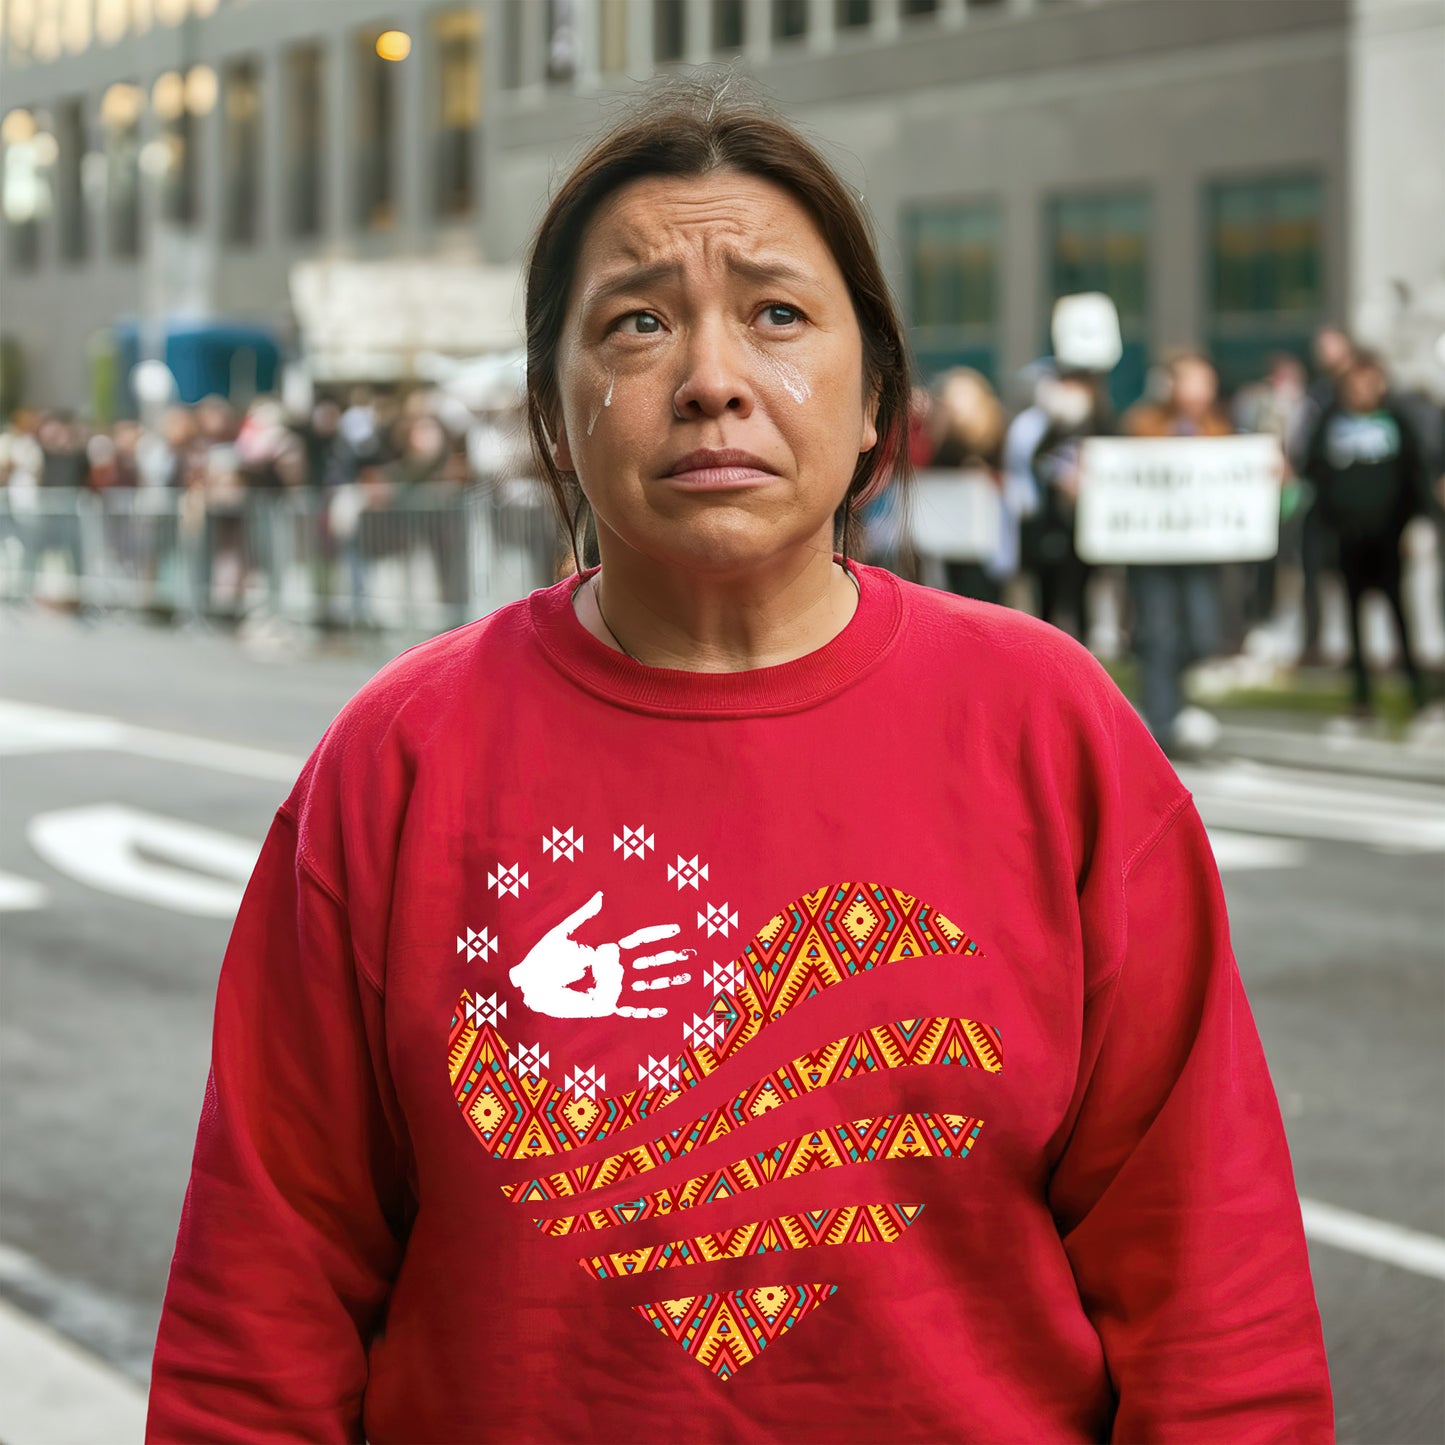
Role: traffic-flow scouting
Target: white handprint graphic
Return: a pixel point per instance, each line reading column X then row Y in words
column 557, row 961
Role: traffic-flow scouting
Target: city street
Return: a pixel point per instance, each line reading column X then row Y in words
column 141, row 769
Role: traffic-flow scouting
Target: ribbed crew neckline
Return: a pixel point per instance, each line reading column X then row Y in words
column 787, row 687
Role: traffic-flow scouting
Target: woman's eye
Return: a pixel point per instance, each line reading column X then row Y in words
column 640, row 323
column 780, row 315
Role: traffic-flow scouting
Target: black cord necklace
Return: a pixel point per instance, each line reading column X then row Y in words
column 597, row 598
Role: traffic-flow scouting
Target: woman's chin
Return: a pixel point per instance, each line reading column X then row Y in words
column 725, row 545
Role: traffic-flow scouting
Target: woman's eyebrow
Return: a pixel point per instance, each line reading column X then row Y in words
column 637, row 278
column 765, row 271
column 768, row 269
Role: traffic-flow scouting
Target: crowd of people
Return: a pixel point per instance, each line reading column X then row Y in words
column 355, row 462
column 1361, row 463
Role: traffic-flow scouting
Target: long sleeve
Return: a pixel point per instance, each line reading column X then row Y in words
column 1174, row 1191
column 292, row 1225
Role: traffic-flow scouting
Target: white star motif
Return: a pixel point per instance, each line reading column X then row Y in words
column 585, row 1083
column 477, row 945
column 704, row 1029
column 686, row 871
column 634, row 842
column 528, row 1059
column 564, row 843
column 660, row 1073
column 722, row 977
column 486, row 1010
column 508, row 880
column 718, row 919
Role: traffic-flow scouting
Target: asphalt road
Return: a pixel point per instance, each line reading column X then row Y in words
column 109, row 967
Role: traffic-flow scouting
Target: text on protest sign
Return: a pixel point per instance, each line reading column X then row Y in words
column 1178, row 499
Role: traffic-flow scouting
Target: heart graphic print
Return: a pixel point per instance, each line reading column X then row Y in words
column 522, row 1108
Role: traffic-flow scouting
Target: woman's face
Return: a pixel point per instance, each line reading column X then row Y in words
column 710, row 373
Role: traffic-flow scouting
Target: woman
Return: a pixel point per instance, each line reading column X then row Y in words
column 971, row 429
column 1176, row 606
column 732, row 994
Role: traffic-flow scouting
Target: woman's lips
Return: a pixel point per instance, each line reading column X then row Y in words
column 719, row 479
column 718, row 469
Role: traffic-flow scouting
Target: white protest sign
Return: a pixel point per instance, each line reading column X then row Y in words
column 955, row 515
column 1085, row 332
column 1178, row 499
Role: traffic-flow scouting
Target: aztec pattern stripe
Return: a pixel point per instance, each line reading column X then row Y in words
column 815, row 943
column 906, row 1044
column 889, row 1136
column 724, row 1332
column 845, row 1224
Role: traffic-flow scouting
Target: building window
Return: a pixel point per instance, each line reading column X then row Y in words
column 912, row 9
column 72, row 138
column 241, row 143
column 24, row 187
column 18, row 18
column 853, row 14
column 458, row 109
column 177, row 149
column 513, row 40
column 951, row 252
column 111, row 20
column 120, row 112
column 305, row 141
column 1266, row 275
column 561, row 39
column 790, row 19
column 612, row 20
column 376, row 116
column 727, row 26
column 1101, row 243
column 668, row 19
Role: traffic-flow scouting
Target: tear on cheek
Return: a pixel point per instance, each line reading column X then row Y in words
column 788, row 376
column 606, row 402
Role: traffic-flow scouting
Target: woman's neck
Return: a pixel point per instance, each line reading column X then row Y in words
column 732, row 622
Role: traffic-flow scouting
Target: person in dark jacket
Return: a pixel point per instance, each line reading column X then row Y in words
column 1368, row 469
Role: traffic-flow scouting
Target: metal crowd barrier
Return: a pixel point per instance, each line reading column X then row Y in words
column 414, row 559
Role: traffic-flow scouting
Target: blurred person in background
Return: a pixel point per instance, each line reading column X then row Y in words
column 1069, row 407
column 446, row 995
column 1275, row 406
column 1333, row 353
column 21, row 462
column 64, row 474
column 1176, row 606
column 213, row 516
column 1370, row 476
column 968, row 432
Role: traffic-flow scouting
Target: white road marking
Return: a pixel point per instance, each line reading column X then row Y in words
column 1291, row 802
column 52, row 1392
column 1253, row 852
column 26, row 728
column 1410, row 1249
column 20, row 895
column 145, row 856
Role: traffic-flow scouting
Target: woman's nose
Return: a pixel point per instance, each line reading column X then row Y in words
column 715, row 379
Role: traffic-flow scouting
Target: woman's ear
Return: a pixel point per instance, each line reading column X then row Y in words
column 561, row 451
column 869, row 439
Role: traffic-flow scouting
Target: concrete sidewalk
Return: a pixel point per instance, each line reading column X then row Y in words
column 1334, row 744
column 52, row 1392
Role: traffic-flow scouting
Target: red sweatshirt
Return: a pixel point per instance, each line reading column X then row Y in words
column 849, row 1050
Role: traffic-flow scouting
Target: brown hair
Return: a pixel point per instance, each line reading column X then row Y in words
column 693, row 128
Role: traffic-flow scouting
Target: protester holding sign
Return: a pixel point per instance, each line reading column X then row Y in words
column 1367, row 465
column 1176, row 605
